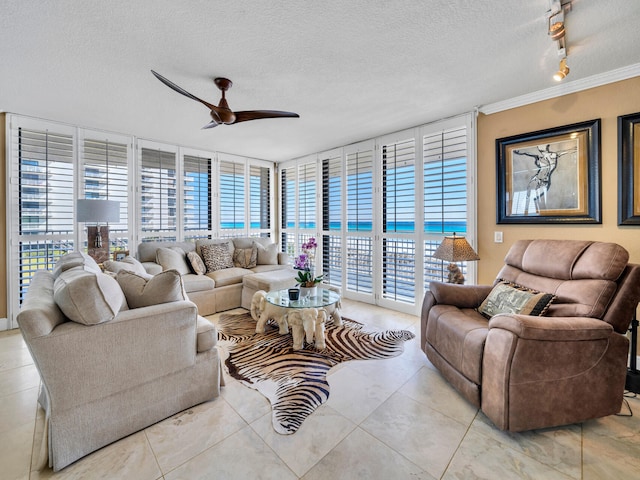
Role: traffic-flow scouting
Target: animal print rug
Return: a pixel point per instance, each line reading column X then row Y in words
column 295, row 382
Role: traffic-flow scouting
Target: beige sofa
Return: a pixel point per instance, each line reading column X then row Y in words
column 527, row 368
column 108, row 370
column 219, row 290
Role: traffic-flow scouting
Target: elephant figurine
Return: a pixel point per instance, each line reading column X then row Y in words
column 256, row 304
column 270, row 311
column 333, row 311
column 307, row 323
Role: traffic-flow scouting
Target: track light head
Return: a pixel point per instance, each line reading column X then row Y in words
column 562, row 72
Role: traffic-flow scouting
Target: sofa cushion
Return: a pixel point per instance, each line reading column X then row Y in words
column 173, row 258
column 88, row 297
column 246, row 257
column 197, row 283
column 197, row 265
column 142, row 291
column 228, row 276
column 509, row 297
column 75, row 259
column 217, row 256
column 267, row 255
column 127, row 263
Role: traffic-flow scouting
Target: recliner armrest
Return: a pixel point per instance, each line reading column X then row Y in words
column 559, row 329
column 462, row 296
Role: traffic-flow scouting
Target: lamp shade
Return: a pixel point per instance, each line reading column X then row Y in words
column 455, row 249
column 98, row 211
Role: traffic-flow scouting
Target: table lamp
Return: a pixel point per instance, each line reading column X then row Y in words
column 455, row 249
column 98, row 211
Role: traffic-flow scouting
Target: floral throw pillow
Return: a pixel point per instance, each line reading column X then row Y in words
column 217, row 256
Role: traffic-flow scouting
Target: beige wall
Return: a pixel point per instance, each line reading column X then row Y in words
column 3, row 217
column 607, row 103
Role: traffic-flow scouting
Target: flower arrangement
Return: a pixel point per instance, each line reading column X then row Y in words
column 304, row 264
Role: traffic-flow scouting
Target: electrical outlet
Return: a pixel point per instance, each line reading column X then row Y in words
column 497, row 237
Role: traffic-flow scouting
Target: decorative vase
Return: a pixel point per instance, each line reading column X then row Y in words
column 308, row 291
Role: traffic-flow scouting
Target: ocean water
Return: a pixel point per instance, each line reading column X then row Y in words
column 434, row 228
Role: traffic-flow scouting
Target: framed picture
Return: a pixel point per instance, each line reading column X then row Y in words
column 629, row 169
column 550, row 176
column 119, row 255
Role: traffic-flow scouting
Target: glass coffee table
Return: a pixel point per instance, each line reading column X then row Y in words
column 324, row 298
column 292, row 314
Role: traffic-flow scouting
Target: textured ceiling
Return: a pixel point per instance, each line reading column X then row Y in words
column 351, row 69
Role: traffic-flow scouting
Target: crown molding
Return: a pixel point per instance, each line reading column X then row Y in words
column 563, row 89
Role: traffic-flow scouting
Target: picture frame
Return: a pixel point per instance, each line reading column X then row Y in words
column 550, row 176
column 629, row 169
column 120, row 255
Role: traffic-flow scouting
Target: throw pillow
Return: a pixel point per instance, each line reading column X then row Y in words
column 245, row 257
column 141, row 291
column 127, row 263
column 512, row 298
column 172, row 258
column 197, row 265
column 75, row 259
column 217, row 256
column 267, row 255
column 88, row 297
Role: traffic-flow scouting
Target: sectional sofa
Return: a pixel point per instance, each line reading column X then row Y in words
column 252, row 263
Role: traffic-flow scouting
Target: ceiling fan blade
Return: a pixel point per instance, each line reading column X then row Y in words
column 258, row 114
column 211, row 124
column 182, row 91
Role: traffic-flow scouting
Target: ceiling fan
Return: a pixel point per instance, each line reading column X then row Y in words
column 221, row 113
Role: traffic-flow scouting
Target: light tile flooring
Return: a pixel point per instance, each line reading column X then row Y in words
column 385, row 419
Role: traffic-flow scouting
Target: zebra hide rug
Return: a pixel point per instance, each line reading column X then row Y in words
column 295, row 382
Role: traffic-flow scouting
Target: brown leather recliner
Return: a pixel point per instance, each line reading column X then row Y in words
column 527, row 372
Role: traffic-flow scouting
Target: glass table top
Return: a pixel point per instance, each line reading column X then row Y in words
column 324, row 298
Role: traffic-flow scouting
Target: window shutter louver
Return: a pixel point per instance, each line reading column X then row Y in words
column 359, row 249
column 158, row 195
column 260, row 198
column 232, row 198
column 445, row 194
column 45, row 219
column 332, row 220
column 398, row 217
column 196, row 196
column 106, row 174
column 307, row 196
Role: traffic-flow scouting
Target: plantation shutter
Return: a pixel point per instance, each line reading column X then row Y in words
column 445, row 193
column 288, row 209
column 332, row 219
column 398, row 221
column 42, row 195
column 260, row 198
column 158, row 195
column 307, row 196
column 106, row 174
column 359, row 247
column 196, row 196
column 232, row 198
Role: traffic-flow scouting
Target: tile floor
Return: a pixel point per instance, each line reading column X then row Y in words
column 385, row 419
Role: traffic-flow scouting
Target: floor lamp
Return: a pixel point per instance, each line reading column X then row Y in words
column 98, row 212
column 455, row 249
